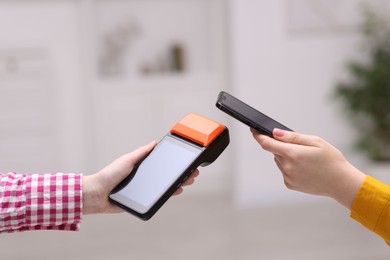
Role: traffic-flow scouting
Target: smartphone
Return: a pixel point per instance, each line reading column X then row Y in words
column 247, row 114
column 153, row 180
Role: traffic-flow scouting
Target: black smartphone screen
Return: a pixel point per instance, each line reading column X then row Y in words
column 247, row 114
column 156, row 174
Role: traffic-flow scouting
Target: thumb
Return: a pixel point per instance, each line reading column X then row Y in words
column 121, row 167
column 294, row 137
column 140, row 153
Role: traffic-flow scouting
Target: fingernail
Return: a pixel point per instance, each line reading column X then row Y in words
column 278, row 132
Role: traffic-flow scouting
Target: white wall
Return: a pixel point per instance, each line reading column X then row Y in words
column 44, row 88
column 70, row 116
column 288, row 74
column 282, row 69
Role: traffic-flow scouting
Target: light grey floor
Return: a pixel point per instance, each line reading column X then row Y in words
column 207, row 227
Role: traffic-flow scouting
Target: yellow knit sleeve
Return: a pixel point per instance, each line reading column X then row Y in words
column 371, row 207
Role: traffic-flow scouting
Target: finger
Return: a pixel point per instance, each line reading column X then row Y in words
column 178, row 191
column 258, row 136
column 188, row 182
column 191, row 179
column 295, row 138
column 278, row 162
column 125, row 164
column 271, row 145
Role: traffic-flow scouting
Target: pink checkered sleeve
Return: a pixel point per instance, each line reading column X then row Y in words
column 40, row 202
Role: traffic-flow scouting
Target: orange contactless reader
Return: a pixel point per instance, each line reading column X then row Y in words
column 192, row 142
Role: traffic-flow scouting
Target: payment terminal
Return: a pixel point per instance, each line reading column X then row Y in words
column 193, row 141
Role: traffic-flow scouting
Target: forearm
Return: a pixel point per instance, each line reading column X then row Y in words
column 40, row 201
column 371, row 207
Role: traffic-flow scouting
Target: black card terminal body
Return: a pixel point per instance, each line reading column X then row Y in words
column 247, row 114
column 194, row 141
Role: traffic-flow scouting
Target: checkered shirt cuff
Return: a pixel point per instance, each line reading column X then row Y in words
column 40, row 202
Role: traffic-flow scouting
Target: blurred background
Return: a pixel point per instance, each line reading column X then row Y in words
column 84, row 81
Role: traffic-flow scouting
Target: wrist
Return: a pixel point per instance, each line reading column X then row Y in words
column 95, row 196
column 91, row 196
column 348, row 186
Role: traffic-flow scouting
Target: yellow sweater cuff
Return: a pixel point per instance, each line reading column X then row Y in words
column 371, row 207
